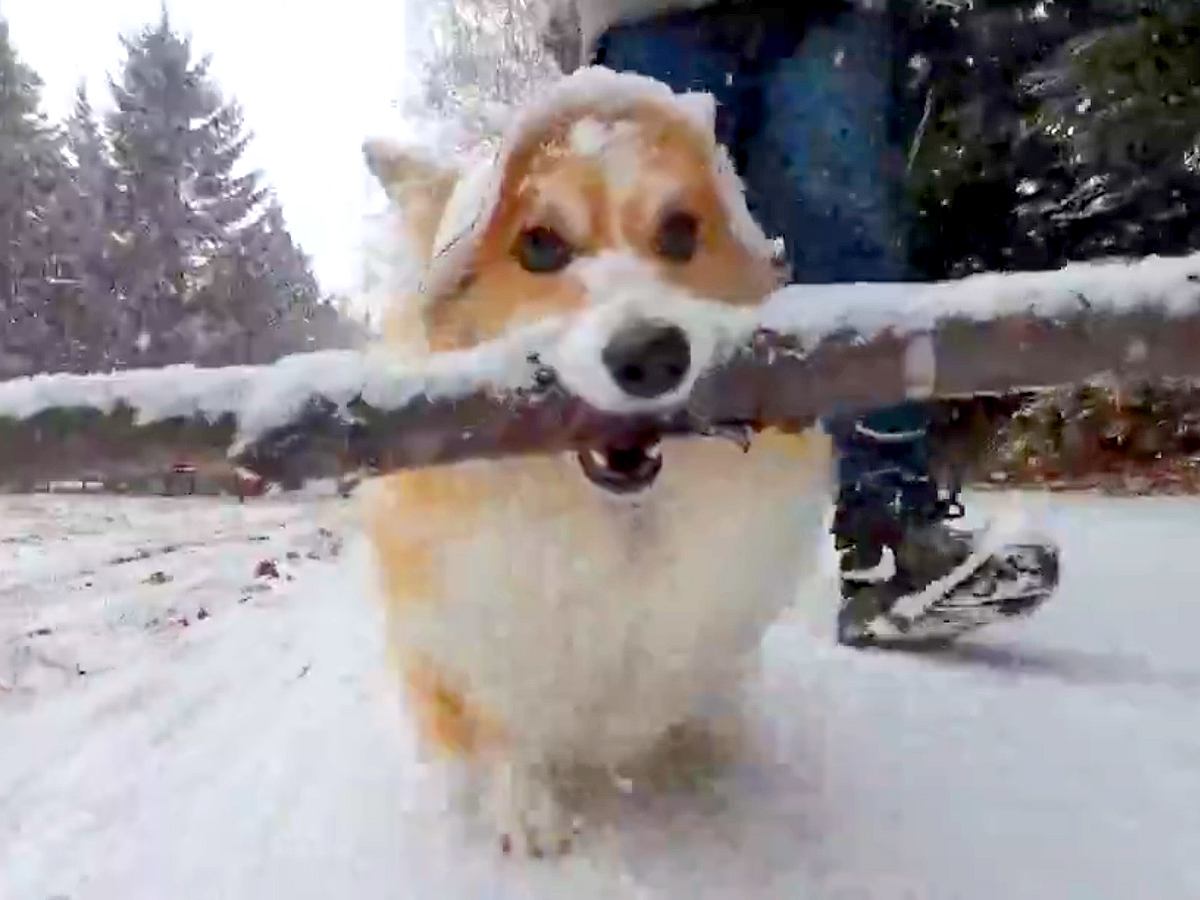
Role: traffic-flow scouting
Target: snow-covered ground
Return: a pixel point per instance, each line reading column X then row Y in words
column 257, row 749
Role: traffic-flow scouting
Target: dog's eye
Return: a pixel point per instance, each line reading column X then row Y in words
column 678, row 236
column 542, row 249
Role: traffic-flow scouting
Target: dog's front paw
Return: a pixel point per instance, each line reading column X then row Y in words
column 529, row 815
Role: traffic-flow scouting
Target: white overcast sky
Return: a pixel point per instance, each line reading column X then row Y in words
column 314, row 78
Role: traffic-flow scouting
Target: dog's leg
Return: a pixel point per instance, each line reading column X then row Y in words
column 447, row 721
column 521, row 796
column 529, row 811
column 693, row 753
column 690, row 756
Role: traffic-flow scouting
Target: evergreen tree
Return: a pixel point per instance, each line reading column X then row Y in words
column 257, row 290
column 176, row 144
column 1122, row 106
column 289, row 282
column 145, row 242
column 31, row 168
column 979, row 148
column 1055, row 132
column 86, row 207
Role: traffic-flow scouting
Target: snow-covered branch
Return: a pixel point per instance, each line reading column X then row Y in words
column 810, row 351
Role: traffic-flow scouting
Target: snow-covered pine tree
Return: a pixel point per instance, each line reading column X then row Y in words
column 304, row 318
column 85, row 206
column 31, row 169
column 177, row 144
column 1056, row 132
column 259, row 292
column 1121, row 107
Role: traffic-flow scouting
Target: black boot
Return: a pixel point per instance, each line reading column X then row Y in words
column 908, row 577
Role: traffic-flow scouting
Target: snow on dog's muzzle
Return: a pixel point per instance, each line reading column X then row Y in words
column 642, row 343
column 639, row 348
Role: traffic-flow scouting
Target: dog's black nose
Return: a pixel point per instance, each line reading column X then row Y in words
column 648, row 359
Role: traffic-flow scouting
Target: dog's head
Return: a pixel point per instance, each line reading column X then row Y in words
column 610, row 206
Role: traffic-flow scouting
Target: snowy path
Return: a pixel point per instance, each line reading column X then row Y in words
column 257, row 751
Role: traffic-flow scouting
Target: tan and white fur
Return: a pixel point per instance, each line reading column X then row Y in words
column 542, row 623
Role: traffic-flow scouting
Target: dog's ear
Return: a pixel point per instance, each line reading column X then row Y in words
column 419, row 187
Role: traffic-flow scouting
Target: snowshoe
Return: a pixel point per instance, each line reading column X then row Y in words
column 932, row 583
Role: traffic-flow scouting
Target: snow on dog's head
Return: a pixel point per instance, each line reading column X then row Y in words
column 609, row 206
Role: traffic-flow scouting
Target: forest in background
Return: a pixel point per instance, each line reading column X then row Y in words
column 140, row 237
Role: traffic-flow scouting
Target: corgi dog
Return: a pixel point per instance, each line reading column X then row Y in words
column 572, row 610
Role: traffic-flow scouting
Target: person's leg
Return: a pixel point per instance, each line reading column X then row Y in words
column 720, row 49
column 808, row 112
column 691, row 51
column 825, row 169
column 827, row 136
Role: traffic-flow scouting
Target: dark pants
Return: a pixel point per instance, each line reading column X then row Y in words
column 808, row 109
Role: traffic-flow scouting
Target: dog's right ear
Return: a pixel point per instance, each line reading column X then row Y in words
column 419, row 187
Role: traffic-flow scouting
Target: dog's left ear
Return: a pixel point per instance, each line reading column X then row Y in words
column 418, row 186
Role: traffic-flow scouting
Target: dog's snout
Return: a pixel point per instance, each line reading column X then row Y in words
column 648, row 358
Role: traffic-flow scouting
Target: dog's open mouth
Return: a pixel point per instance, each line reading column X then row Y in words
column 625, row 468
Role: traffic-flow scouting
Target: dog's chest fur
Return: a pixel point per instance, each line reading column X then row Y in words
column 582, row 624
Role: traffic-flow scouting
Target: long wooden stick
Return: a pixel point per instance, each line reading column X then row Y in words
column 813, row 351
